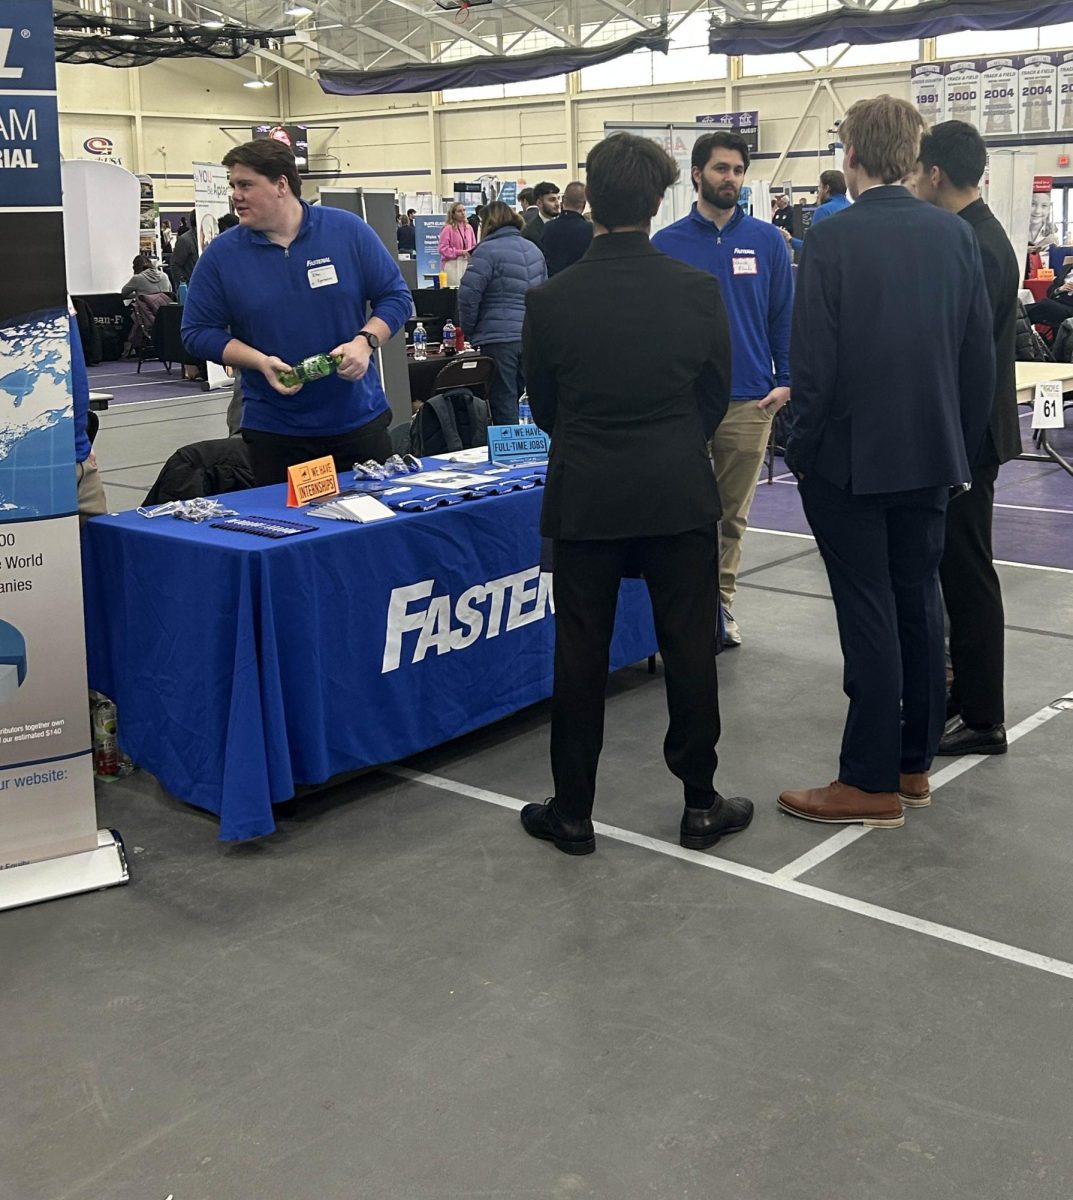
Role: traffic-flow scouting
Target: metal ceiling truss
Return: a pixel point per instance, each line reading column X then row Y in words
column 366, row 35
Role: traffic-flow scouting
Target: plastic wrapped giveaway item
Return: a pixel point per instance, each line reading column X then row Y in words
column 397, row 464
column 198, row 510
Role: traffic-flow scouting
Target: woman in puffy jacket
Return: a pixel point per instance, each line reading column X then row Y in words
column 457, row 240
column 491, row 302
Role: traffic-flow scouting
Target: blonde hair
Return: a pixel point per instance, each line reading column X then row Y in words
column 451, row 213
column 885, row 135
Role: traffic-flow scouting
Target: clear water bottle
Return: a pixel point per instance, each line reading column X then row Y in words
column 448, row 337
column 525, row 413
column 420, row 343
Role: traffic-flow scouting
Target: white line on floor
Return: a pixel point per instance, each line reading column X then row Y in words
column 1066, row 512
column 846, row 837
column 999, row 562
column 794, row 887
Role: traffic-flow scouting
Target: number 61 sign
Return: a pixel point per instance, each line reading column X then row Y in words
column 1048, row 412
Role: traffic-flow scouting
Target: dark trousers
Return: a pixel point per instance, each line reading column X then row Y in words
column 272, row 453
column 882, row 556
column 508, row 384
column 682, row 575
column 1049, row 312
column 973, row 601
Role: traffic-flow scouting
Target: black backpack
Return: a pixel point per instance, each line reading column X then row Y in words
column 448, row 421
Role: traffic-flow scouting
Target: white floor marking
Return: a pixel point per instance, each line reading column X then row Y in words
column 846, row 837
column 999, row 562
column 794, row 887
column 1066, row 512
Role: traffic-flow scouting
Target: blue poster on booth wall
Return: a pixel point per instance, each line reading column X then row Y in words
column 29, row 150
column 517, row 444
column 428, row 246
column 27, row 57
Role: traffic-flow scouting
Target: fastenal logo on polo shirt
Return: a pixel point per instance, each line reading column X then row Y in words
column 7, row 72
column 444, row 623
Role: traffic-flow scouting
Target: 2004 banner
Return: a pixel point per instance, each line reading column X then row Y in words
column 49, row 842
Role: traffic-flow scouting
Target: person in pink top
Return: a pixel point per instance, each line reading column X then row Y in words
column 457, row 240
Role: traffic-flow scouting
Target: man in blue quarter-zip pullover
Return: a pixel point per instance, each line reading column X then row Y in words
column 292, row 281
column 833, row 199
column 749, row 259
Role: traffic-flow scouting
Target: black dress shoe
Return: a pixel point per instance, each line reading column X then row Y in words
column 571, row 837
column 959, row 738
column 703, row 827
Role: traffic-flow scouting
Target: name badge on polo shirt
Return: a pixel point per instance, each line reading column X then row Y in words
column 744, row 264
column 322, row 276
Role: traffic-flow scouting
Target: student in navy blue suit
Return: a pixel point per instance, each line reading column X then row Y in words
column 893, row 366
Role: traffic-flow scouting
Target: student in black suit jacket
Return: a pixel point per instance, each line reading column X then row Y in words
column 567, row 238
column 893, row 367
column 630, row 486
column 953, row 158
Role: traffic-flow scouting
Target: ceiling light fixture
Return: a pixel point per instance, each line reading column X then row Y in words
column 257, row 83
column 298, row 10
column 215, row 24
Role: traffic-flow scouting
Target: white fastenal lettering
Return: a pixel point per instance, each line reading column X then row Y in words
column 436, row 630
column 400, row 621
column 7, row 72
column 521, row 595
column 496, row 589
column 469, row 616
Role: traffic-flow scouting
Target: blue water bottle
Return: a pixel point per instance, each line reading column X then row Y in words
column 525, row 413
column 183, row 289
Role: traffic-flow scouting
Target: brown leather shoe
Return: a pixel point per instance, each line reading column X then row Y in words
column 840, row 804
column 913, row 790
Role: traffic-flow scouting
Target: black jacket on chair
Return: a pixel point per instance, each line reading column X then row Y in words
column 1003, row 278
column 892, row 353
column 629, row 402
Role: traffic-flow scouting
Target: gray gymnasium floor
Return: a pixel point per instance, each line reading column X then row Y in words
column 401, row 997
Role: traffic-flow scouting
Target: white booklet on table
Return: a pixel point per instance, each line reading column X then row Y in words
column 363, row 509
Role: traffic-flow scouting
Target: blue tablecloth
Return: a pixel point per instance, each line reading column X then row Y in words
column 243, row 667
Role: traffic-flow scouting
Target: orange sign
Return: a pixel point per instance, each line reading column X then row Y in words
column 313, row 480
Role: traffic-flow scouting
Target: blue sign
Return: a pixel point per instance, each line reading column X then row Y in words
column 745, row 123
column 508, row 192
column 517, row 444
column 29, row 150
column 427, row 239
column 27, row 55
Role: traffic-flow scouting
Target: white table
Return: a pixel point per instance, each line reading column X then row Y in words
column 1028, row 375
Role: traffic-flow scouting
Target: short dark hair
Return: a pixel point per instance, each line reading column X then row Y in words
column 574, row 196
column 545, row 188
column 227, row 221
column 141, row 263
column 834, row 182
column 269, row 158
column 525, row 196
column 627, row 177
column 721, row 139
column 958, row 150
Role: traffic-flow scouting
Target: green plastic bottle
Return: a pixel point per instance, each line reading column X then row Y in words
column 317, row 366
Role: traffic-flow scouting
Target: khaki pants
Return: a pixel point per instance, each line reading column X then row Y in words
column 737, row 455
column 91, row 499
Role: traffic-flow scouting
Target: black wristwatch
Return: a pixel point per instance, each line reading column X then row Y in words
column 371, row 338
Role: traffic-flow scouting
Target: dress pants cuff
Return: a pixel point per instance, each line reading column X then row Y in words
column 698, row 798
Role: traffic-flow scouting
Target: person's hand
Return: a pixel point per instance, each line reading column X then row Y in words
column 353, row 358
column 786, row 236
column 271, row 368
column 777, row 398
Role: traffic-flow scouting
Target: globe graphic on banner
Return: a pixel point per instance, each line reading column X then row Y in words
column 37, row 477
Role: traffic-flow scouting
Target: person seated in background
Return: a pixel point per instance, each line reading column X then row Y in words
column 567, row 239
column 491, row 302
column 226, row 222
column 147, row 280
column 1058, row 306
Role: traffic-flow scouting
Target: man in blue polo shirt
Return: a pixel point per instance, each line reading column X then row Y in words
column 749, row 259
column 832, row 199
column 291, row 281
